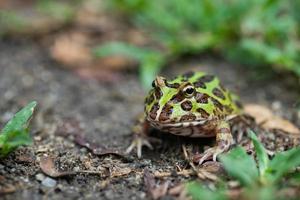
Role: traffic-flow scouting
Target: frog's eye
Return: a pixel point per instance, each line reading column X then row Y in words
column 189, row 91
column 153, row 84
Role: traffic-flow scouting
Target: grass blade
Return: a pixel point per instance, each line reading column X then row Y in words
column 241, row 166
column 19, row 121
column 283, row 163
column 13, row 140
column 151, row 61
column 262, row 156
column 199, row 192
column 15, row 132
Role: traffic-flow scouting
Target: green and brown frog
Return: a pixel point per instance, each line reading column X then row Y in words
column 191, row 105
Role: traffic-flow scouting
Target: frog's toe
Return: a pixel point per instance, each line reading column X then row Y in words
column 211, row 153
column 206, row 155
column 139, row 142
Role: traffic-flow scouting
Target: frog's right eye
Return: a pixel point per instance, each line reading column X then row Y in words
column 153, row 84
column 189, row 91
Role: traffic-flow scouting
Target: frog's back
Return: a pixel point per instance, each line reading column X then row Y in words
column 210, row 94
column 189, row 101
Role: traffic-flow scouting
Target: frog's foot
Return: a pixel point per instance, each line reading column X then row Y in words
column 211, row 153
column 139, row 141
column 224, row 141
column 240, row 126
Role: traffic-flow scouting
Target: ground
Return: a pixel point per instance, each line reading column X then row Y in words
column 72, row 111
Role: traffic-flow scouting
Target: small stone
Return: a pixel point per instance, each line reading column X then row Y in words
column 40, row 177
column 49, row 182
column 1, row 166
column 76, row 169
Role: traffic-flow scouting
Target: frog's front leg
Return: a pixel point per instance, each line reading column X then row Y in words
column 140, row 134
column 223, row 139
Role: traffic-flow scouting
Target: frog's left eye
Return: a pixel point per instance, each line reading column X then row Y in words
column 153, row 84
column 189, row 91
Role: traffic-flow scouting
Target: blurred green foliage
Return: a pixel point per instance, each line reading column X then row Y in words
column 256, row 32
column 57, row 9
column 15, row 132
column 260, row 177
column 150, row 60
column 34, row 17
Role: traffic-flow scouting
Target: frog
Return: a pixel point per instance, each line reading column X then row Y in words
column 194, row 104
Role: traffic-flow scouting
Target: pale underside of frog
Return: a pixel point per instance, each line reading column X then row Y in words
column 191, row 105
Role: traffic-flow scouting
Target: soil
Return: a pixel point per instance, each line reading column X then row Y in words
column 103, row 113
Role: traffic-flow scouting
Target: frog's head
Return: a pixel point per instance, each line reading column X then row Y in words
column 177, row 101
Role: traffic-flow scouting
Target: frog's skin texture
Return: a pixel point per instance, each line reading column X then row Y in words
column 191, row 105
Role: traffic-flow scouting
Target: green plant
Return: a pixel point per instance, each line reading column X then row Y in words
column 60, row 10
column 150, row 60
column 260, row 177
column 15, row 132
column 199, row 192
column 43, row 14
column 258, row 32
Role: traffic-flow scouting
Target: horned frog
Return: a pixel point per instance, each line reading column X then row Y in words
column 191, row 105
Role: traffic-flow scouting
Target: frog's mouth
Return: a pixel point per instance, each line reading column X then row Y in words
column 167, row 124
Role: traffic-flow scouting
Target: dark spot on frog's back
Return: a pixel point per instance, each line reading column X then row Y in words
column 206, row 78
column 172, row 85
column 203, row 113
column 149, row 99
column 153, row 111
column 199, row 84
column 158, row 93
column 177, row 97
column 228, row 109
column 166, row 112
column 217, row 104
column 238, row 104
column 218, row 93
column 188, row 117
column 187, row 105
column 201, row 98
column 188, row 75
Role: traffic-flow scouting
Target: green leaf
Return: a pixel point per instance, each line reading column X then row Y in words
column 294, row 179
column 123, row 49
column 199, row 192
column 151, row 61
column 241, row 166
column 56, row 9
column 149, row 68
column 19, row 121
column 261, row 193
column 252, row 32
column 15, row 132
column 262, row 156
column 13, row 140
column 282, row 163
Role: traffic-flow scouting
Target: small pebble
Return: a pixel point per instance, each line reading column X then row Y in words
column 40, row 177
column 49, row 182
column 76, row 169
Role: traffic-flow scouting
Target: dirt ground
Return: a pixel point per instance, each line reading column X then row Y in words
column 72, row 111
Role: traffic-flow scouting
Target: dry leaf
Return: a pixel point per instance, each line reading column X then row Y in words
column 269, row 120
column 71, row 50
column 116, row 63
column 156, row 191
column 99, row 74
column 120, row 171
column 71, row 127
column 47, row 165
